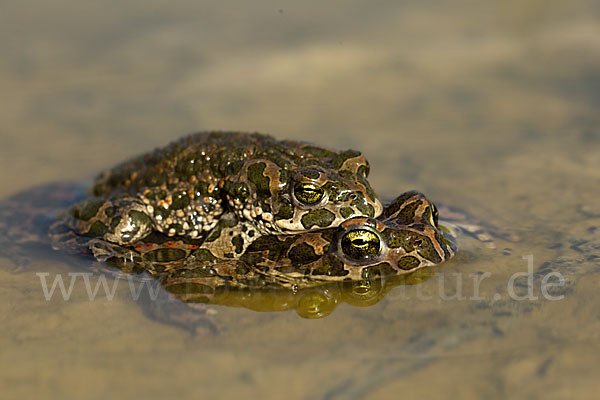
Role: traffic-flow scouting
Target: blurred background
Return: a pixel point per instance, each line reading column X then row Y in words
column 488, row 106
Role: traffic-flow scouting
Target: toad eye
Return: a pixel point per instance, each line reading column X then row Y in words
column 307, row 193
column 360, row 244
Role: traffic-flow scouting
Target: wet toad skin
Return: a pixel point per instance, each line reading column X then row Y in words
column 185, row 188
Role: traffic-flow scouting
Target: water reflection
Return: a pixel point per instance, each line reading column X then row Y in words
column 311, row 303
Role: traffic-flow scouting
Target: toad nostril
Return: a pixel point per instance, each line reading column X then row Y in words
column 417, row 242
column 353, row 196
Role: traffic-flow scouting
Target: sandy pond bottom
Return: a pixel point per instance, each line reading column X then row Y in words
column 491, row 110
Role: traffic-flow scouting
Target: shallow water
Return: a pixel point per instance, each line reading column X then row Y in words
column 491, row 108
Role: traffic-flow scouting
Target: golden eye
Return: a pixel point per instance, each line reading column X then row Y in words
column 361, row 243
column 307, row 193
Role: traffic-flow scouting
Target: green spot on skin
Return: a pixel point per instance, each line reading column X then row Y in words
column 368, row 210
column 274, row 248
column 331, row 266
column 406, row 215
column 90, row 208
column 138, row 219
column 337, row 192
column 302, row 254
column 204, row 255
column 397, row 204
column 363, row 206
column 286, row 211
column 411, row 241
column 407, row 240
column 346, row 212
column 98, row 229
column 321, row 218
column 214, row 235
column 428, row 251
column 393, row 238
column 408, row 262
column 255, row 175
column 114, row 222
column 238, row 242
column 427, row 216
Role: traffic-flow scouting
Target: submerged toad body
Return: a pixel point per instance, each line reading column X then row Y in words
column 185, row 188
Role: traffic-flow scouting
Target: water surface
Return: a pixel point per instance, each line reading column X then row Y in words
column 492, row 108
